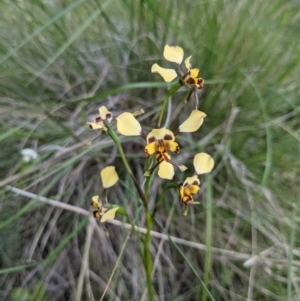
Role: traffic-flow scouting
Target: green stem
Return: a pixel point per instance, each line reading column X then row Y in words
column 170, row 92
column 209, row 210
column 147, row 255
column 115, row 138
column 148, row 179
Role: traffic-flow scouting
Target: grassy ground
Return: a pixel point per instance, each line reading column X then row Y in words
column 61, row 60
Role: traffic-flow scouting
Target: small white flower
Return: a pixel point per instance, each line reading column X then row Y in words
column 28, row 154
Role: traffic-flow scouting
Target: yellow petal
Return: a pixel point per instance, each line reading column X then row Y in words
column 173, row 54
column 95, row 202
column 166, row 170
column 109, row 176
column 194, row 73
column 160, row 134
column 95, row 126
column 167, row 74
column 171, row 146
column 150, row 149
column 109, row 214
column 187, row 62
column 193, row 122
column 127, row 125
column 191, row 181
column 193, row 189
column 203, row 163
column 181, row 191
column 105, row 114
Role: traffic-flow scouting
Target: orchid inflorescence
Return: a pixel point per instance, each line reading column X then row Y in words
column 160, row 142
column 189, row 78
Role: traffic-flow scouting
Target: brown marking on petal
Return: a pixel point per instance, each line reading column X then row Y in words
column 90, row 126
column 161, row 149
column 177, row 149
column 190, row 201
column 96, row 214
column 160, row 157
column 151, row 139
column 186, row 184
column 160, row 143
column 186, row 77
column 200, row 83
column 146, row 153
column 168, row 137
column 195, row 183
column 108, row 116
column 98, row 119
column 187, row 199
column 190, row 81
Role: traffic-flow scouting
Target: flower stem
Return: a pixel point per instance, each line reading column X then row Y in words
column 147, row 256
column 209, row 210
column 146, row 242
column 170, row 92
column 115, row 138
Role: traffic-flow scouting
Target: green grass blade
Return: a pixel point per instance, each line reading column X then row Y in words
column 41, row 28
column 17, row 268
column 72, row 38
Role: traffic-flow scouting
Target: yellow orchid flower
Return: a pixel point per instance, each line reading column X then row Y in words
column 160, row 141
column 102, row 212
column 190, row 186
column 175, row 54
column 203, row 163
column 98, row 123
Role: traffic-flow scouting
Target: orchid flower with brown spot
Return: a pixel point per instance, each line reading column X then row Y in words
column 102, row 212
column 160, row 141
column 189, row 78
column 109, row 178
column 203, row 163
column 98, row 124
